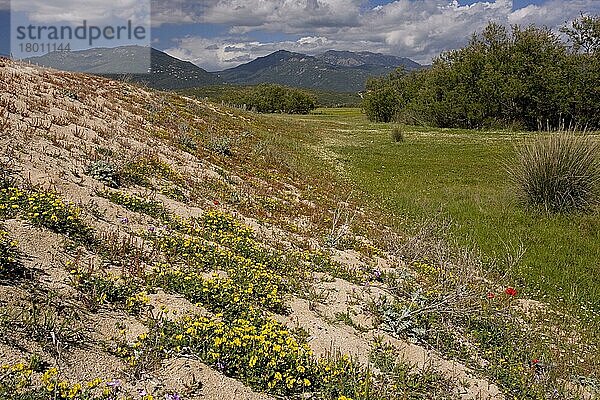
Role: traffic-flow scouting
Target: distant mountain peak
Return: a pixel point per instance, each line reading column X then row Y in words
column 340, row 71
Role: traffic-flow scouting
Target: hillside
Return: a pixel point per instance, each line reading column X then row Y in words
column 157, row 245
column 331, row 71
column 166, row 72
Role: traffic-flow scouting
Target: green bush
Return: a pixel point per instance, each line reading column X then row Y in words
column 558, row 172
column 381, row 105
column 270, row 98
column 221, row 145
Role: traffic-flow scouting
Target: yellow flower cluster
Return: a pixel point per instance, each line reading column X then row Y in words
column 258, row 350
column 111, row 288
column 45, row 209
column 239, row 340
column 218, row 221
column 247, row 273
column 14, row 378
column 17, row 381
column 231, row 294
column 11, row 200
column 435, row 274
column 49, row 210
column 194, row 251
column 135, row 303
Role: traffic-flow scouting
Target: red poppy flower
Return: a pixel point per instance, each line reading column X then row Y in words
column 510, row 291
column 535, row 361
column 491, row 295
column 216, row 202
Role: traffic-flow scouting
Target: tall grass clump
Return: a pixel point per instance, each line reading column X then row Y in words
column 559, row 172
column 397, row 134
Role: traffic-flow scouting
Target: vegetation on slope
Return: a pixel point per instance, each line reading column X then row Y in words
column 229, row 258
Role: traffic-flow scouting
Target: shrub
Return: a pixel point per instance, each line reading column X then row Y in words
column 559, row 172
column 104, row 172
column 272, row 98
column 220, row 145
column 381, row 105
column 188, row 143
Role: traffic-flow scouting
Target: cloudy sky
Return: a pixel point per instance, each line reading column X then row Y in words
column 219, row 34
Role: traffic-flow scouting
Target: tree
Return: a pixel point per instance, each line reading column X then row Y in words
column 584, row 34
column 518, row 77
column 385, row 96
column 270, row 98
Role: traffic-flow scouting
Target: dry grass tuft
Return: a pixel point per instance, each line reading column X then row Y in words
column 559, row 172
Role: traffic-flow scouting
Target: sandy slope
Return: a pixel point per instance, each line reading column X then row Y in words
column 54, row 124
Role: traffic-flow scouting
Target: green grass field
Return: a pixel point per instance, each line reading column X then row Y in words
column 460, row 174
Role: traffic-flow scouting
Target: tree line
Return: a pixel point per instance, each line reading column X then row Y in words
column 524, row 78
column 271, row 98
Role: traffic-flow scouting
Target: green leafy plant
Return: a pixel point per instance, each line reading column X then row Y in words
column 105, row 172
column 105, row 288
column 136, row 203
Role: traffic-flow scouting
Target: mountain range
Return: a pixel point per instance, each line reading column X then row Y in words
column 339, row 71
column 166, row 72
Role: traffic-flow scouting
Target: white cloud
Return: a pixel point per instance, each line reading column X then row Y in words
column 422, row 29
column 75, row 11
column 419, row 29
column 290, row 16
column 553, row 13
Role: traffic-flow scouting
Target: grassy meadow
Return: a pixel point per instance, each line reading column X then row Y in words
column 461, row 175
